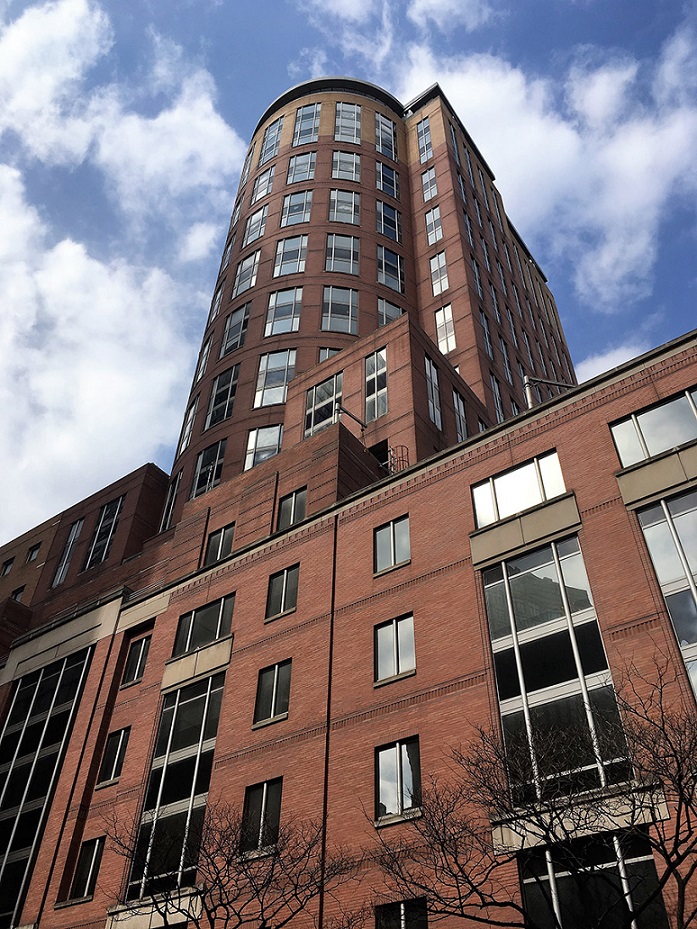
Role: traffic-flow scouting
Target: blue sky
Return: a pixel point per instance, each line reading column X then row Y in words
column 123, row 127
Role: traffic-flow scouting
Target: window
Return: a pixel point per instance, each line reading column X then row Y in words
column 670, row 530
column 482, row 184
column 526, row 342
column 453, row 139
column 246, row 274
column 387, row 179
column 114, row 754
column 408, row 914
column 387, row 311
column 611, row 876
column 502, row 278
column 187, row 427
column 340, row 310
column 202, row 360
column 428, row 184
column 290, row 256
column 301, row 168
column 439, row 274
column 222, row 397
column 433, row 393
column 262, row 444
column 658, row 429
column 261, row 817
column 385, row 136
column 235, row 330
column 65, row 558
column 236, row 213
column 256, row 224
column 398, row 778
column 7, row 567
column 469, row 165
column 488, row 347
column 390, row 269
column 423, row 134
column 391, row 544
column 492, row 233
column 166, row 849
column 498, row 401
column 389, row 221
column 36, row 732
column 33, row 552
column 445, row 329
column 246, row 166
column 263, row 184
column 104, row 533
column 342, row 254
column 291, row 508
column 208, row 469
column 85, row 879
column 460, row 418
column 326, row 353
column 18, row 593
column 347, row 125
column 273, row 693
column 478, row 212
column 296, row 208
column 346, row 166
column 284, row 311
column 271, row 141
column 477, row 279
column 514, row 334
column 282, row 595
column 468, row 228
column 307, row 124
column 219, row 544
column 275, row 371
column 344, row 206
column 546, row 642
column 394, row 648
column 320, row 404
column 434, row 230
column 204, row 625
column 376, row 385
column 135, row 662
column 506, row 361
column 495, row 303
column 170, row 500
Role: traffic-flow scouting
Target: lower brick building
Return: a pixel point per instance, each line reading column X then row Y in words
column 315, row 636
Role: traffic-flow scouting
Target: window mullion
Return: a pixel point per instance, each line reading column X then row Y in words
column 395, row 645
column 262, row 814
column 400, row 778
column 193, row 782
column 21, row 735
column 640, row 435
column 624, row 878
column 553, row 891
column 680, row 550
column 691, row 402
column 274, row 691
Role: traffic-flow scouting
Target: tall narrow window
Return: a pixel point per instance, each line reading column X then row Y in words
column 390, row 269
column 284, row 311
column 394, row 648
column 271, row 141
column 202, row 360
column 301, row 168
column 391, row 544
column 166, row 849
column 389, row 221
column 320, row 404
column 506, row 361
column 439, row 274
column 187, row 427
column 219, row 544
column 87, row 869
column 262, row 443
column 433, row 393
column 291, row 508
column 434, row 229
column 104, row 533
column 136, row 660
column 342, row 254
column 376, row 385
column 488, row 347
column 428, row 184
column 204, row 625
column 445, row 329
column 477, row 279
column 263, row 184
column 114, row 755
column 307, row 124
column 256, row 224
column 498, row 401
column 453, row 141
column 261, row 817
column 398, row 778
column 273, row 693
column 235, row 330
column 347, row 125
column 385, row 136
column 246, row 274
column 282, row 594
column 387, row 179
column 222, row 399
column 460, row 417
column 65, row 558
column 340, row 310
column 208, row 469
column 423, row 134
column 406, row 914
column 244, row 175
column 275, row 371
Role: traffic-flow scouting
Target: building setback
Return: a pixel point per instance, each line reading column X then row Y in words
column 365, row 550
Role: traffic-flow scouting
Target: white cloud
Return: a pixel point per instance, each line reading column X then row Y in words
column 199, row 241
column 90, row 352
column 310, row 63
column 447, row 13
column 361, row 29
column 352, row 11
column 610, row 358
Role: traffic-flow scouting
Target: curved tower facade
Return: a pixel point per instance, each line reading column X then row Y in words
column 352, row 211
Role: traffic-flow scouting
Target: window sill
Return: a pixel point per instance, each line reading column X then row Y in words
column 102, row 784
column 394, row 677
column 392, row 567
column 200, row 648
column 394, row 818
column 130, row 683
column 266, row 852
column 263, row 723
column 270, row 619
column 64, row 904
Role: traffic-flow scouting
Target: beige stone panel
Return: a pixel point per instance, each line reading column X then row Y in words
column 688, row 459
column 202, row 662
column 494, row 542
column 546, row 521
column 147, row 609
column 653, row 478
